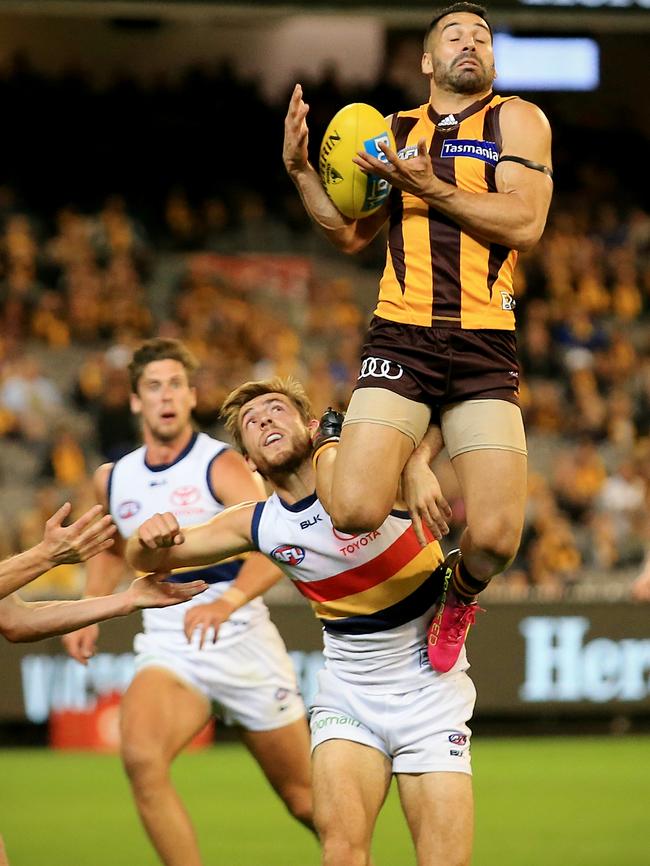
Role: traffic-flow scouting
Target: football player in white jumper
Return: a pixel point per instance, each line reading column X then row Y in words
column 381, row 709
column 247, row 674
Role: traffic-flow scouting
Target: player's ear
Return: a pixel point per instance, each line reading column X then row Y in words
column 427, row 64
column 250, row 463
column 193, row 398
column 136, row 404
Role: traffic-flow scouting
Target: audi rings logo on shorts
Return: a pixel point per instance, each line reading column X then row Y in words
column 380, row 368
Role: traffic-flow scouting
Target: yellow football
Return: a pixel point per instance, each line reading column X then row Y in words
column 356, row 127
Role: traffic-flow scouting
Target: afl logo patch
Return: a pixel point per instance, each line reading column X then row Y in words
column 288, row 554
column 186, row 495
column 128, row 508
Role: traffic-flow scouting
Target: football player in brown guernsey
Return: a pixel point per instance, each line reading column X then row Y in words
column 471, row 187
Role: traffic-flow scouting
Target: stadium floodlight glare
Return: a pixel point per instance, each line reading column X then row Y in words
column 546, row 63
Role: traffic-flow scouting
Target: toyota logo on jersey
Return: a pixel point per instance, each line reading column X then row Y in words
column 186, row 495
column 288, row 554
column 128, row 508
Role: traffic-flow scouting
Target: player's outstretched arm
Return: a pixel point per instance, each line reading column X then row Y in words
column 347, row 235
column 161, row 545
column 29, row 621
column 60, row 545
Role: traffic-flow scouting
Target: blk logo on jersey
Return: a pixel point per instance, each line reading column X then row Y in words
column 305, row 524
column 186, row 495
column 458, row 739
column 475, row 149
column 288, row 554
column 128, row 508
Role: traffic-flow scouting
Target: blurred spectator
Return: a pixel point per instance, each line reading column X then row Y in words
column 32, row 398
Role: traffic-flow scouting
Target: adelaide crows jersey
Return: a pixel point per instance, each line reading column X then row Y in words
column 436, row 273
column 137, row 490
column 373, row 593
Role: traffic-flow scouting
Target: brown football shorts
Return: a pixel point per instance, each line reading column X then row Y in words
column 415, row 374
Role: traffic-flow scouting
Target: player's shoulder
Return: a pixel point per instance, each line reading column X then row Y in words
column 207, row 443
column 126, row 463
column 102, row 481
column 516, row 110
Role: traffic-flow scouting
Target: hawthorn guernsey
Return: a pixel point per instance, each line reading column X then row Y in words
column 355, row 127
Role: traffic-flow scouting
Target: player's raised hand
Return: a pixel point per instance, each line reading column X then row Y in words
column 79, row 541
column 296, row 133
column 414, row 175
column 82, row 643
column 154, row 590
column 160, row 531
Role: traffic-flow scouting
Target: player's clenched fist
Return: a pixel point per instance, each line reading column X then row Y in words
column 161, row 530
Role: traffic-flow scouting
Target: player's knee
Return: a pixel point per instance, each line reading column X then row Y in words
column 497, row 539
column 357, row 517
column 339, row 851
column 143, row 764
column 298, row 801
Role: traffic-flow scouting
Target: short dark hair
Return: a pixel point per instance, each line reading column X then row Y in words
column 160, row 349
column 474, row 8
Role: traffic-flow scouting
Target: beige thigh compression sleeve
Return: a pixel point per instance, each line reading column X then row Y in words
column 380, row 406
column 477, row 424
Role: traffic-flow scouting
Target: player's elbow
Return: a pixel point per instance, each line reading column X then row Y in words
column 347, row 243
column 13, row 630
column 526, row 237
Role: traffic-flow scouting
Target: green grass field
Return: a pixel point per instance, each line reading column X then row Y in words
column 567, row 802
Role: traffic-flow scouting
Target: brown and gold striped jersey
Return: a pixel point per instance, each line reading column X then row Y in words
column 435, row 272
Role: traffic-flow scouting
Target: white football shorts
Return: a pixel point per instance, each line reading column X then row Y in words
column 420, row 731
column 251, row 682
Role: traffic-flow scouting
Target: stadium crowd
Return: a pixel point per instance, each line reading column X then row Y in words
column 236, row 272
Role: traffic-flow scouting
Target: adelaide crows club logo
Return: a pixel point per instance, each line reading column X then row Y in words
column 288, row 554
column 186, row 495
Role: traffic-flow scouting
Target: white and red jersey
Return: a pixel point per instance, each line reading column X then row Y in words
column 137, row 490
column 373, row 592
